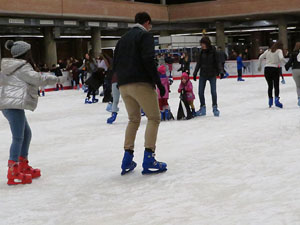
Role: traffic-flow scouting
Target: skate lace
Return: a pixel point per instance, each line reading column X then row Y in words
column 155, row 162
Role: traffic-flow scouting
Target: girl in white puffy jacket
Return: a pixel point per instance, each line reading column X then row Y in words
column 19, row 84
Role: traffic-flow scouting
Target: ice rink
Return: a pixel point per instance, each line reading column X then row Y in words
column 242, row 168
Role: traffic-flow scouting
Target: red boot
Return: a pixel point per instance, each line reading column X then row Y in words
column 26, row 169
column 14, row 175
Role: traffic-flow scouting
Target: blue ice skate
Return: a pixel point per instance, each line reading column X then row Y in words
column 283, row 81
column 143, row 113
column 162, row 115
column 278, row 103
column 202, row 111
column 270, row 102
column 167, row 115
column 112, row 119
column 240, row 79
column 95, row 100
column 150, row 165
column 87, row 101
column 127, row 163
column 194, row 113
column 226, row 75
column 216, row 111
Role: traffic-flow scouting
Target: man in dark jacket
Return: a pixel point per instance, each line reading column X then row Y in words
column 210, row 67
column 137, row 76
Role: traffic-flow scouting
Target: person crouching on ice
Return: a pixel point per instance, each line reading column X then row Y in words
column 163, row 100
column 187, row 87
column 19, row 83
column 94, row 82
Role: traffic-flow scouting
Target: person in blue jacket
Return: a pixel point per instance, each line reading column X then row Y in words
column 240, row 66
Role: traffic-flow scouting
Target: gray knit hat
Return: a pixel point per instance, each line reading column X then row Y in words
column 17, row 48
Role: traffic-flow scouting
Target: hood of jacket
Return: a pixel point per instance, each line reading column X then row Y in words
column 11, row 65
column 140, row 26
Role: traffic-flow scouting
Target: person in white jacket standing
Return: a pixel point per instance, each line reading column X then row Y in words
column 274, row 57
column 19, row 84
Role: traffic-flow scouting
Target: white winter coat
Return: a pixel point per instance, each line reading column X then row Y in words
column 19, row 84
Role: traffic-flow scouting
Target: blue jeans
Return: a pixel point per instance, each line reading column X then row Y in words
column 116, row 97
column 21, row 133
column 213, row 89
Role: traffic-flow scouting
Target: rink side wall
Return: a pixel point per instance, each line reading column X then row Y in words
column 230, row 67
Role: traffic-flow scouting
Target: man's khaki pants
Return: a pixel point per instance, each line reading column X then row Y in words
column 137, row 96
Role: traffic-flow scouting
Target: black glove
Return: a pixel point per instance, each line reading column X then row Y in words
column 162, row 90
column 221, row 75
column 195, row 77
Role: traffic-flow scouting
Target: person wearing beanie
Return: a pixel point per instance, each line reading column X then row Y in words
column 210, row 67
column 137, row 77
column 19, row 83
column 186, row 86
column 163, row 100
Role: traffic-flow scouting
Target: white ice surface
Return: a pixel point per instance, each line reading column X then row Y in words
column 242, row 168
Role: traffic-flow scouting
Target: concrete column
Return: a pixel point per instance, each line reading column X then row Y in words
column 49, row 47
column 256, row 40
column 283, row 32
column 164, row 34
column 163, row 2
column 220, row 35
column 96, row 41
column 78, row 49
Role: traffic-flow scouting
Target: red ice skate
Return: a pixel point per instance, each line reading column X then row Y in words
column 26, row 169
column 14, row 175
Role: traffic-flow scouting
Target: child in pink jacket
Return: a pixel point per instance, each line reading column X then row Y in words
column 163, row 100
column 187, row 87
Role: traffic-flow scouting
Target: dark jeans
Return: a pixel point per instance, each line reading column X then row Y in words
column 213, row 89
column 21, row 133
column 91, row 91
column 272, row 77
column 240, row 73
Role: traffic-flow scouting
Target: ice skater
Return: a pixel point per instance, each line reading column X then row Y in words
column 274, row 57
column 294, row 62
column 137, row 76
column 240, row 67
column 210, row 67
column 19, row 83
column 57, row 71
column 116, row 98
column 163, row 100
column 186, row 87
column 94, row 82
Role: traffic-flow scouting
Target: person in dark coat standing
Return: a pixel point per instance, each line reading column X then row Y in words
column 184, row 63
column 137, row 76
column 210, row 67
